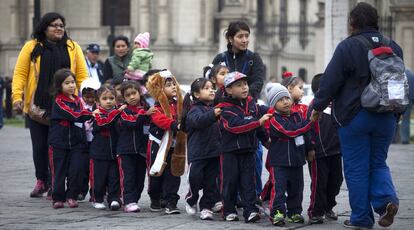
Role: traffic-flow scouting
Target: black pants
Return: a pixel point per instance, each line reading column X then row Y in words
column 326, row 175
column 132, row 176
column 287, row 180
column 85, row 171
column 238, row 174
column 104, row 176
column 202, row 174
column 39, row 135
column 65, row 164
column 165, row 186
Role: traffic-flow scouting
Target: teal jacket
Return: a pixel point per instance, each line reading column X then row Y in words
column 141, row 59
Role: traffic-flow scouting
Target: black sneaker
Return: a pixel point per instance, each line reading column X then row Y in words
column 171, row 209
column 331, row 215
column 316, row 220
column 163, row 203
column 155, row 206
column 348, row 224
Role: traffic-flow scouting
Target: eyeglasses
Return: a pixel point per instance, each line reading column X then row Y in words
column 56, row 26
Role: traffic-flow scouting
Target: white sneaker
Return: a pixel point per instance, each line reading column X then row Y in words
column 232, row 217
column 132, row 207
column 100, row 206
column 206, row 214
column 115, row 205
column 253, row 217
column 190, row 209
column 217, row 207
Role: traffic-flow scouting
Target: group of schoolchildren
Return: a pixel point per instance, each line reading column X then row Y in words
column 111, row 144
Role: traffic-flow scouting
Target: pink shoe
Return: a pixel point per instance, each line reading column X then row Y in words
column 58, row 204
column 39, row 189
column 132, row 207
column 72, row 203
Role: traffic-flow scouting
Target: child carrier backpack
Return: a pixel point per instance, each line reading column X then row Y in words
column 387, row 90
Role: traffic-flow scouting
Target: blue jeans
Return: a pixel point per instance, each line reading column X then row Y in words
column 364, row 144
column 405, row 124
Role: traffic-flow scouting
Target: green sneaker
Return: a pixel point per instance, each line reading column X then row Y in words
column 278, row 219
column 296, row 218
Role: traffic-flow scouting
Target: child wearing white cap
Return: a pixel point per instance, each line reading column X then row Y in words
column 241, row 126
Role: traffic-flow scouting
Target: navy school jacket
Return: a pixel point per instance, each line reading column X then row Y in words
column 105, row 135
column 66, row 128
column 283, row 151
column 239, row 125
column 203, row 133
column 132, row 139
column 247, row 62
column 161, row 122
column 346, row 76
column 325, row 135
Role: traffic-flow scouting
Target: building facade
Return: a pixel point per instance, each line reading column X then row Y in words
column 187, row 34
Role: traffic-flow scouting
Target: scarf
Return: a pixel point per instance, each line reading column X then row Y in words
column 54, row 56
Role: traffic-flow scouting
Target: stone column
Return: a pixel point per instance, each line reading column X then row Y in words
column 336, row 25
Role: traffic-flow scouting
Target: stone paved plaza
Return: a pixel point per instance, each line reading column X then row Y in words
column 19, row 211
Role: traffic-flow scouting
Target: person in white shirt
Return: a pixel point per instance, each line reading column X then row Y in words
column 95, row 67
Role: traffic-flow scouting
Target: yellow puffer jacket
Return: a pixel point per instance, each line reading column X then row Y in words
column 24, row 81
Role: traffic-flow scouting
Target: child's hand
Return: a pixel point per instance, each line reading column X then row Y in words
column 265, row 118
column 122, row 107
column 314, row 116
column 266, row 144
column 150, row 111
column 96, row 111
column 311, row 155
column 217, row 112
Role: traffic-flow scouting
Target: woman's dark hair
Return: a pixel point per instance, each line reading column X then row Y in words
column 59, row 77
column 120, row 38
column 195, row 87
column 41, row 27
column 232, row 30
column 213, row 70
column 104, row 89
column 363, row 15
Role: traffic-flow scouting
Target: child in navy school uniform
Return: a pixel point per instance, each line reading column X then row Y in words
column 203, row 147
column 67, row 140
column 325, row 166
column 216, row 74
column 288, row 147
column 88, row 90
column 104, row 174
column 132, row 143
column 241, row 125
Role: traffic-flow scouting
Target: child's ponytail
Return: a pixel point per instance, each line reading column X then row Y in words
column 187, row 102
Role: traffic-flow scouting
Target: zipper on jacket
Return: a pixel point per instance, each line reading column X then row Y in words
column 110, row 146
column 70, row 145
column 135, row 146
column 290, row 164
column 235, row 61
column 320, row 139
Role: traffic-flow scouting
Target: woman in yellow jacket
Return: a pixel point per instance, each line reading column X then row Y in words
column 49, row 50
